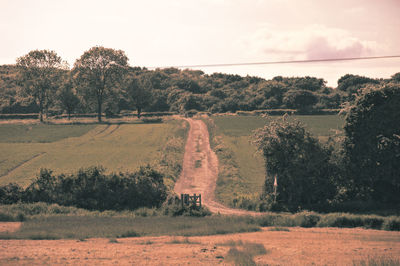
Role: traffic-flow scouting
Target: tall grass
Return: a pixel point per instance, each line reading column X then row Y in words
column 81, row 227
column 53, row 222
column 242, row 253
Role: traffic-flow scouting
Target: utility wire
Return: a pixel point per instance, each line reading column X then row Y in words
column 284, row 62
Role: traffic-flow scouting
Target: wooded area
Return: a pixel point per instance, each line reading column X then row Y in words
column 101, row 81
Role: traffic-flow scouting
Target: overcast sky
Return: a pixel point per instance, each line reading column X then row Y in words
column 189, row 32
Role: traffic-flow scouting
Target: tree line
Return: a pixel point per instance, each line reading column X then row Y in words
column 102, row 81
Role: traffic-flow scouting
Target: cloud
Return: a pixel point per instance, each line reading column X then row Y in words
column 312, row 42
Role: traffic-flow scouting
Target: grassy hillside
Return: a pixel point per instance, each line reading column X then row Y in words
column 66, row 148
column 234, row 136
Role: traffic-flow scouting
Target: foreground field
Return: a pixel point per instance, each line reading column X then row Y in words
column 280, row 246
column 67, row 148
column 244, row 176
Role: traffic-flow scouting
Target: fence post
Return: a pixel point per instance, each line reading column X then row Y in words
column 200, row 200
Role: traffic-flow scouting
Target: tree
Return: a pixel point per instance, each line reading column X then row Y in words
column 99, row 71
column 138, row 89
column 40, row 73
column 352, row 84
column 373, row 143
column 67, row 98
column 396, row 77
column 298, row 161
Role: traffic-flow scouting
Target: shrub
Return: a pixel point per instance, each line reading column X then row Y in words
column 391, row 224
column 306, row 219
column 10, row 193
column 4, row 217
column 152, row 120
column 129, row 234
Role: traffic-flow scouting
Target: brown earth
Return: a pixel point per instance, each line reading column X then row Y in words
column 299, row 246
column 200, row 170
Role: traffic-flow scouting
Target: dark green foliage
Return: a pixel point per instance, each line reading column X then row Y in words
column 4, row 217
column 67, row 98
column 300, row 99
column 372, row 145
column 352, row 83
column 41, row 72
column 396, row 77
column 11, row 193
column 306, row 219
column 391, row 224
column 128, row 234
column 171, row 89
column 92, row 189
column 300, row 163
column 97, row 73
column 139, row 91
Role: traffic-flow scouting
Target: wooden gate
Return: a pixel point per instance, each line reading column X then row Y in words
column 187, row 200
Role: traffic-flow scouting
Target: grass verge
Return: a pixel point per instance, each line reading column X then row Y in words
column 82, row 227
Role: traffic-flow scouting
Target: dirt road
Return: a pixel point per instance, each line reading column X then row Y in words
column 200, row 170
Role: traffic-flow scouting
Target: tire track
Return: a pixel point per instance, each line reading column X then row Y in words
column 112, row 131
column 21, row 164
column 101, row 131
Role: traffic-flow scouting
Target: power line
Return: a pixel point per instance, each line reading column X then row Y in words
column 284, row 62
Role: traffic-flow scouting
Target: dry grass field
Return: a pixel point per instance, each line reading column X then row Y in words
column 294, row 246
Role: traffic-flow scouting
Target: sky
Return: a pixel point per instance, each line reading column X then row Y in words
column 160, row 33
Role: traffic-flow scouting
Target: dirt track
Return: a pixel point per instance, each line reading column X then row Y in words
column 200, row 170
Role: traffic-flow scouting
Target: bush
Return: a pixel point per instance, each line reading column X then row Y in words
column 306, row 219
column 10, row 193
column 4, row 217
column 350, row 221
column 391, row 224
column 152, row 120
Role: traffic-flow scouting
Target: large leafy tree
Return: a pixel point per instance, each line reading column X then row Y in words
column 373, row 143
column 41, row 71
column 99, row 71
column 298, row 161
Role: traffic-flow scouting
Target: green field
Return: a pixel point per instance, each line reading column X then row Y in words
column 66, row 148
column 318, row 125
column 235, row 137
